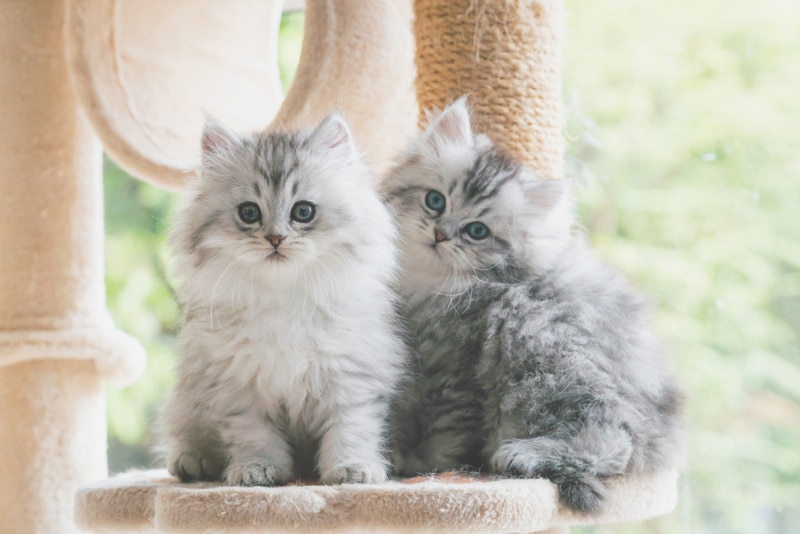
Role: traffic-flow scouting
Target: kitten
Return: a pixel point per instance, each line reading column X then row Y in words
column 532, row 358
column 289, row 348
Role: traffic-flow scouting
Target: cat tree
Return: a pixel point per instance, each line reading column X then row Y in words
column 134, row 77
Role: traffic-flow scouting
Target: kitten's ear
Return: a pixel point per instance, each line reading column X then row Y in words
column 332, row 138
column 217, row 139
column 451, row 126
column 547, row 194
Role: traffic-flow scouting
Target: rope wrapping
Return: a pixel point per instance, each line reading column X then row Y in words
column 506, row 56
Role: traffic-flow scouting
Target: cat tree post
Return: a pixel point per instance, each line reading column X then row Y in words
column 506, row 55
column 57, row 341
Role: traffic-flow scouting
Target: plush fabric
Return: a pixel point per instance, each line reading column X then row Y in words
column 360, row 60
column 57, row 341
column 52, row 440
column 146, row 71
column 154, row 502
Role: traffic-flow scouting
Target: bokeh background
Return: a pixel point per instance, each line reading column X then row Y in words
column 683, row 127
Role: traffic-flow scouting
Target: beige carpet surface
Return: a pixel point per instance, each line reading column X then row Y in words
column 152, row 501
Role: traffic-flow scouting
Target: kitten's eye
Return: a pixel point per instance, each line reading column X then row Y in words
column 249, row 212
column 435, row 200
column 303, row 211
column 477, row 230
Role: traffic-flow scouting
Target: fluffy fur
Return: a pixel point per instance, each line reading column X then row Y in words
column 289, row 348
column 531, row 357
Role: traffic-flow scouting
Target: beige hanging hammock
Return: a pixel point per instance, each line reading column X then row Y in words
column 134, row 77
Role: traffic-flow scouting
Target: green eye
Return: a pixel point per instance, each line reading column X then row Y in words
column 477, row 230
column 249, row 212
column 303, row 211
column 435, row 200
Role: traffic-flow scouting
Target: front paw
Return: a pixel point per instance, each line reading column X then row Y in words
column 355, row 473
column 515, row 459
column 255, row 472
column 578, row 489
column 189, row 466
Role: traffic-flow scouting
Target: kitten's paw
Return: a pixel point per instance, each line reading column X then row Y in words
column 515, row 458
column 255, row 472
column 361, row 473
column 189, row 466
column 578, row 489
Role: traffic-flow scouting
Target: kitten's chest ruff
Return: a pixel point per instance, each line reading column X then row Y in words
column 290, row 352
column 276, row 358
column 287, row 355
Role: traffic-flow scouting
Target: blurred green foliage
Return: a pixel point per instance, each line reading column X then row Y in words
column 681, row 121
column 682, row 115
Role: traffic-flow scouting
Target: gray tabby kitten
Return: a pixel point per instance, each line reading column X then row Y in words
column 289, row 349
column 532, row 358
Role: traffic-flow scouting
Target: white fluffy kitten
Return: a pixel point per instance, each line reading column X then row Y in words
column 289, row 349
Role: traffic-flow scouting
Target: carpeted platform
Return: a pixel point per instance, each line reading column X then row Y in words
column 152, row 501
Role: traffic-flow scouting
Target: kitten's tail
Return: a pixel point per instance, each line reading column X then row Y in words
column 579, row 487
column 577, row 466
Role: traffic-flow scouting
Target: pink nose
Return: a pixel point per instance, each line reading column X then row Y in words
column 275, row 239
column 439, row 236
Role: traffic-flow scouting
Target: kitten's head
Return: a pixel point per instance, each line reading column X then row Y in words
column 279, row 205
column 468, row 211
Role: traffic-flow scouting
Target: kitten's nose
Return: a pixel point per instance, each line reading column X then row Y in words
column 275, row 239
column 439, row 236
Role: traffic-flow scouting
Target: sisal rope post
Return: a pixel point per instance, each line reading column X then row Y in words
column 506, row 56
